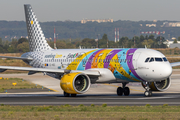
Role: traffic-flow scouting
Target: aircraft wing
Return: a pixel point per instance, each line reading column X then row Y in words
column 175, row 64
column 22, row 58
column 88, row 72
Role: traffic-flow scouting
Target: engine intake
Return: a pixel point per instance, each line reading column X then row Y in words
column 75, row 83
column 159, row 85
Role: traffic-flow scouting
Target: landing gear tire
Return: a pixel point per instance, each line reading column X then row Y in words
column 73, row 95
column 66, row 94
column 120, row 91
column 123, row 90
column 126, row 91
column 148, row 93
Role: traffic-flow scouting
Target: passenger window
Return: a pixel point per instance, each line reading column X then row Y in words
column 147, row 60
column 165, row 59
column 151, row 60
column 158, row 59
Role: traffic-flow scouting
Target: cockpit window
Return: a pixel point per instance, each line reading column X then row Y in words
column 165, row 59
column 147, row 60
column 158, row 59
column 151, row 60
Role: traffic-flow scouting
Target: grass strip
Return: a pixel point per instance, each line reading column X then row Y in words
column 7, row 83
column 146, row 112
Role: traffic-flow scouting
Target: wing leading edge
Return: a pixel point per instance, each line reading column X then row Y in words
column 175, row 64
column 88, row 72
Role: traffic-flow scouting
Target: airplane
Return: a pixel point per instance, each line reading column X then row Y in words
column 77, row 69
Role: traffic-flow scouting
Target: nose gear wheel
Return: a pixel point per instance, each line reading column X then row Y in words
column 148, row 92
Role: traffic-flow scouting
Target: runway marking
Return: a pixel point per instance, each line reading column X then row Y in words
column 118, row 86
column 54, row 90
column 155, row 97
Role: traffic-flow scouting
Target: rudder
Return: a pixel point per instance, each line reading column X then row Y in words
column 37, row 41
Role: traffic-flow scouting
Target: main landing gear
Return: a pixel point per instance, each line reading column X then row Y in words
column 148, row 92
column 67, row 94
column 123, row 90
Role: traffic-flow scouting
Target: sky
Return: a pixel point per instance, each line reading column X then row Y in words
column 76, row 10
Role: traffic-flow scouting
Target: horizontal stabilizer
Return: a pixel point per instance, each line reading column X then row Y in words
column 22, row 58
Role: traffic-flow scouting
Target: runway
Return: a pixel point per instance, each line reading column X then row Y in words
column 98, row 99
column 98, row 94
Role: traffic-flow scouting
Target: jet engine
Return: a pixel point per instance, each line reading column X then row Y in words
column 159, row 85
column 75, row 83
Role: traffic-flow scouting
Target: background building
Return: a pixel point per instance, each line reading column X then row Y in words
column 98, row 20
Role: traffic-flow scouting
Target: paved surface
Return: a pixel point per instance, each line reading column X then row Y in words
column 98, row 99
column 97, row 94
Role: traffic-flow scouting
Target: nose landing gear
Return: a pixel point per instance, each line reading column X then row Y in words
column 123, row 90
column 148, row 92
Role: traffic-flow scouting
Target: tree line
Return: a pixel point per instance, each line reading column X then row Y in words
column 22, row 45
column 74, row 29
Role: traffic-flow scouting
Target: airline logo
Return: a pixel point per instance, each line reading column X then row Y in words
column 53, row 56
column 70, row 55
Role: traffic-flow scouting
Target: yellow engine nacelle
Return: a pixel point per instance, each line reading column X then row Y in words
column 75, row 83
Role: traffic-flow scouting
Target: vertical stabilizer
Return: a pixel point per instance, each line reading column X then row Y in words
column 37, row 41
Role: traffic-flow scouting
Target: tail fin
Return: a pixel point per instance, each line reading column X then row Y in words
column 37, row 41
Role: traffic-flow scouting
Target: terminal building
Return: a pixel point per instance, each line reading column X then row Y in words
column 98, row 20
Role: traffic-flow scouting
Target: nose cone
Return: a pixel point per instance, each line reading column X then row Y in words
column 157, row 72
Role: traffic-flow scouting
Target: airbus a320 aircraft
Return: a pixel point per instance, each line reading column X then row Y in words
column 77, row 69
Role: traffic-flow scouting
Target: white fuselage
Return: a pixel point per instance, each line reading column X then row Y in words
column 132, row 65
